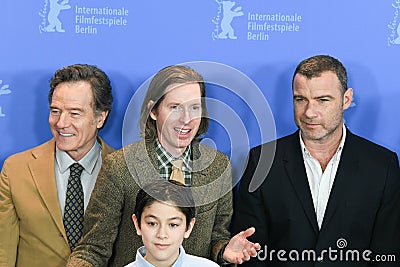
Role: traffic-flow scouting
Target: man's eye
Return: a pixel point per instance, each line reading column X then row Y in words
column 195, row 108
column 55, row 112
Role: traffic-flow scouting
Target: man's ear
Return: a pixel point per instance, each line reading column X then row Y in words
column 190, row 228
column 101, row 118
column 347, row 98
column 150, row 107
column 137, row 224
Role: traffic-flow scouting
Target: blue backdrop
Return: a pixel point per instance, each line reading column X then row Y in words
column 259, row 41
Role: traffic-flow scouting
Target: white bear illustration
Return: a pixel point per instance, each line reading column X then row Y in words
column 228, row 15
column 54, row 22
column 397, row 40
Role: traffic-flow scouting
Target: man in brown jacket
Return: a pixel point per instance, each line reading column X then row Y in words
column 173, row 116
column 34, row 183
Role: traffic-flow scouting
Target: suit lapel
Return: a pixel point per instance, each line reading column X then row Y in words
column 199, row 185
column 201, row 160
column 345, row 175
column 208, row 184
column 294, row 165
column 42, row 170
column 141, row 160
column 105, row 148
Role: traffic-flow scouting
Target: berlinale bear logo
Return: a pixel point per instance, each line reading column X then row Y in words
column 394, row 26
column 224, row 23
column 4, row 90
column 50, row 20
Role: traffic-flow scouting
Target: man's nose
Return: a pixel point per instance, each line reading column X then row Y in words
column 311, row 110
column 63, row 120
column 186, row 116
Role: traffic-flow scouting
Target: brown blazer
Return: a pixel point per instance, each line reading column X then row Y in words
column 110, row 238
column 31, row 225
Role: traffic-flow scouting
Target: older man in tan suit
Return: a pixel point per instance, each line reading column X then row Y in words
column 37, row 201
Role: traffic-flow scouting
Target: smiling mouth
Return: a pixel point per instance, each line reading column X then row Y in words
column 182, row 131
column 65, row 134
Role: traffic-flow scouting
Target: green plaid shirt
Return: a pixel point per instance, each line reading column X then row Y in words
column 165, row 158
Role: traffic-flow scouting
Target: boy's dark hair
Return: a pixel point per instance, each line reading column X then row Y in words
column 169, row 192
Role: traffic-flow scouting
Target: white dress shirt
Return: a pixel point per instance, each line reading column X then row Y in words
column 91, row 163
column 182, row 261
column 321, row 182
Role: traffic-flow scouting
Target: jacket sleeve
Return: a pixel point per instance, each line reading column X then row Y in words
column 385, row 243
column 102, row 218
column 9, row 226
column 220, row 233
column 250, row 210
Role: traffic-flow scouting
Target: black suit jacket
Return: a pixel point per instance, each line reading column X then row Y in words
column 362, row 214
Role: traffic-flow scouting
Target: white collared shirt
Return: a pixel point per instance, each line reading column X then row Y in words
column 182, row 261
column 91, row 163
column 321, row 182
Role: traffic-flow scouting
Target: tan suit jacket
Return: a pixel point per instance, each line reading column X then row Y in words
column 31, row 225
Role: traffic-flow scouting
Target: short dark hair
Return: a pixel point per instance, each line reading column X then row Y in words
column 171, row 75
column 314, row 66
column 98, row 80
column 169, row 192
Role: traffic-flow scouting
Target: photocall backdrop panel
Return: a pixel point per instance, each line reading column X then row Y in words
column 253, row 47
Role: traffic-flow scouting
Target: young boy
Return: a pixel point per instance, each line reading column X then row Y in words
column 164, row 215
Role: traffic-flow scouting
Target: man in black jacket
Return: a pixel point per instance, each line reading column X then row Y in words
column 330, row 198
